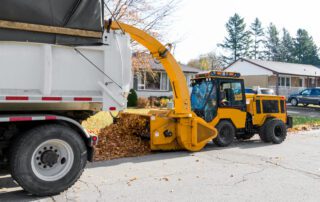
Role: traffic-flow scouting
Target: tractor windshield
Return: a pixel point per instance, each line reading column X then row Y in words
column 204, row 99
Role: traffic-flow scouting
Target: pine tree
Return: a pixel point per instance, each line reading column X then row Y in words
column 238, row 40
column 272, row 43
column 258, row 39
column 286, row 47
column 306, row 51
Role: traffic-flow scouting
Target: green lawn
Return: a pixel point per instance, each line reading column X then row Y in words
column 303, row 120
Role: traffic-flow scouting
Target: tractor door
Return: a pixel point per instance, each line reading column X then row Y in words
column 232, row 101
column 231, row 94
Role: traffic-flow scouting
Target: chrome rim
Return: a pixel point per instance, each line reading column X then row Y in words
column 52, row 160
column 294, row 102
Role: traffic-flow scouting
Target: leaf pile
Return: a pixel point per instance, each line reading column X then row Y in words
column 127, row 137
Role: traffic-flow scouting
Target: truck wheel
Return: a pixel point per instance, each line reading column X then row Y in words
column 294, row 102
column 276, row 131
column 48, row 159
column 226, row 134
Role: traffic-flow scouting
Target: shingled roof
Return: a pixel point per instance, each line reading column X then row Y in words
column 283, row 67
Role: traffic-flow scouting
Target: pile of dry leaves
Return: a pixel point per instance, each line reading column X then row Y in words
column 127, row 137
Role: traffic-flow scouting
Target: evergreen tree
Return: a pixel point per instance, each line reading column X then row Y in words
column 306, row 51
column 272, row 43
column 238, row 40
column 286, row 47
column 258, row 39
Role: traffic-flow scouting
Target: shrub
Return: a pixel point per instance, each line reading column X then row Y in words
column 143, row 102
column 132, row 98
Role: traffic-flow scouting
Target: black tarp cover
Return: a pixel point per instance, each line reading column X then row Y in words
column 79, row 14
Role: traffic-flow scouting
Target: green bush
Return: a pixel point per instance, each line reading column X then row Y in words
column 132, row 98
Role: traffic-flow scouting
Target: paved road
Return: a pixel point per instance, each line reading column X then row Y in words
column 247, row 171
column 312, row 111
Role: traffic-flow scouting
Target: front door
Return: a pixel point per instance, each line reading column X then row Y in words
column 231, row 102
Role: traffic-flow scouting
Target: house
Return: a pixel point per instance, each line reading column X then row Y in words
column 284, row 78
column 150, row 78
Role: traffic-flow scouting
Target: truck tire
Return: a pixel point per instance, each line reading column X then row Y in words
column 226, row 134
column 48, row 159
column 276, row 131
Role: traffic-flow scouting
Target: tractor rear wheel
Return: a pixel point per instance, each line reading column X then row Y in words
column 226, row 134
column 276, row 131
column 262, row 133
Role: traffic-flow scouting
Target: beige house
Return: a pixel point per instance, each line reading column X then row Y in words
column 284, row 78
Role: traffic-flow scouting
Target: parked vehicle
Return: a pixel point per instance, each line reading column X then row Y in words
column 306, row 97
column 249, row 91
column 263, row 91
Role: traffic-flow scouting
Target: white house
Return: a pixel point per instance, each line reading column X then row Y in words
column 284, row 78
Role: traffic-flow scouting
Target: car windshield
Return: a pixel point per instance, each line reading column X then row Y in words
column 204, row 100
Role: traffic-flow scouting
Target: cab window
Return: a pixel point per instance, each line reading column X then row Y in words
column 230, row 94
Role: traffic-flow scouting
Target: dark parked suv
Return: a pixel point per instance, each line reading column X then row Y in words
column 306, row 97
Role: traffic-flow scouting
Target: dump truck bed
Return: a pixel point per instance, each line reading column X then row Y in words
column 39, row 76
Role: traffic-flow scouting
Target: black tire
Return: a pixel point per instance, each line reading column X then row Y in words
column 276, row 131
column 226, row 134
column 262, row 133
column 246, row 136
column 294, row 102
column 24, row 148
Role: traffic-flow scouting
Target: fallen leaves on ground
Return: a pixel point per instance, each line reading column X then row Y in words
column 305, row 127
column 125, row 138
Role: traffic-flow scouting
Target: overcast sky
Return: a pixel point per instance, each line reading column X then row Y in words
column 200, row 24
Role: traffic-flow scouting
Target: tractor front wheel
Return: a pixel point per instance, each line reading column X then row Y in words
column 226, row 134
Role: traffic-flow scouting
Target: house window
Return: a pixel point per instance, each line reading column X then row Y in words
column 154, row 81
column 300, row 82
column 164, row 81
column 284, row 81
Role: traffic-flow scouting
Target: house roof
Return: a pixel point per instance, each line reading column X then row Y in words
column 284, row 68
column 158, row 66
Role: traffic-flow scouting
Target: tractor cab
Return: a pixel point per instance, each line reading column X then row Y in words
column 217, row 89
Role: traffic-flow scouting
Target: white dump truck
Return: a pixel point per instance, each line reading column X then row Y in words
column 58, row 66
